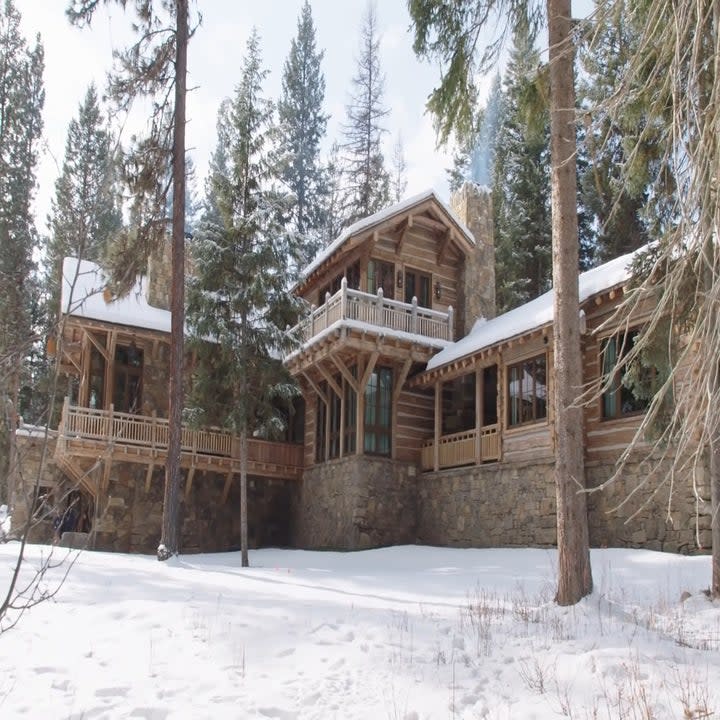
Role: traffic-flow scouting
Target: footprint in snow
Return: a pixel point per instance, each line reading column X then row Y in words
column 111, row 691
column 273, row 712
column 285, row 653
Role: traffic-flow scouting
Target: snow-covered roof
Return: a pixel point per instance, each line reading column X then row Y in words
column 534, row 314
column 379, row 217
column 83, row 283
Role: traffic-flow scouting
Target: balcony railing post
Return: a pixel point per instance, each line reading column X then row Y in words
column 450, row 323
column 414, row 314
column 343, row 298
column 379, row 314
column 110, row 422
column 312, row 321
column 327, row 309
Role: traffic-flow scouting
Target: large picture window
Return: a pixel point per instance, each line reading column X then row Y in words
column 378, row 412
column 417, row 285
column 527, row 391
column 619, row 400
column 381, row 275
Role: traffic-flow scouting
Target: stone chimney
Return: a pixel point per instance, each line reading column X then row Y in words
column 159, row 276
column 159, row 273
column 473, row 205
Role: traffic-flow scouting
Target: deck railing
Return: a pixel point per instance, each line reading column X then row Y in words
column 349, row 304
column 462, row 448
column 153, row 433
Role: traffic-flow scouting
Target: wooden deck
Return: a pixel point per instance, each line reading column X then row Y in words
column 462, row 448
column 369, row 309
column 121, row 437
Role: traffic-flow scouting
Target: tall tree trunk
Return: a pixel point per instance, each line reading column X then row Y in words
column 574, row 574
column 715, row 511
column 170, row 540
column 243, row 496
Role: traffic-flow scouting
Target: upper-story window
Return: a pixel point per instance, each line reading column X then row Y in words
column 527, row 391
column 418, row 285
column 381, row 275
column 352, row 275
column 619, row 400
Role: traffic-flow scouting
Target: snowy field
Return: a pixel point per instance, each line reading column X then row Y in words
column 401, row 633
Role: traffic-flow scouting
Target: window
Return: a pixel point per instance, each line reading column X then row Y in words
column 458, row 400
column 490, row 414
column 619, row 400
column 350, row 416
column 127, row 388
column 378, row 406
column 381, row 275
column 527, row 391
column 418, row 285
column 320, row 422
column 96, row 394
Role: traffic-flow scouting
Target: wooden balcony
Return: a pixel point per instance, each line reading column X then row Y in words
column 123, row 437
column 361, row 308
column 462, row 448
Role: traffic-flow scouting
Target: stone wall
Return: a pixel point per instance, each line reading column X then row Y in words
column 498, row 505
column 514, row 505
column 356, row 502
column 130, row 518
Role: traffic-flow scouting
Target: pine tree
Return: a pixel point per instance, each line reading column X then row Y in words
column 302, row 125
column 398, row 178
column 21, row 102
column 334, row 173
column 85, row 212
column 623, row 153
column 155, row 66
column 366, row 180
column 482, row 161
column 521, row 188
column 450, row 31
column 240, row 296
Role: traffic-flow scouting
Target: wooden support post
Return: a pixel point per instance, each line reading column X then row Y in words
column 226, row 489
column 479, row 413
column 347, row 375
column 398, row 382
column 189, row 481
column 148, row 477
column 110, row 368
column 438, row 425
column 107, row 467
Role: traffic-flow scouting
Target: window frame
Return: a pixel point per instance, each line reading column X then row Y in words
column 515, row 415
column 610, row 409
column 378, row 404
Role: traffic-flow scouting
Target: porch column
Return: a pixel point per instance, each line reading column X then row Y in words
column 479, row 413
column 438, row 425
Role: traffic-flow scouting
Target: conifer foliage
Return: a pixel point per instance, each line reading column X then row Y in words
column 521, row 187
column 239, row 301
column 366, row 178
column 86, row 208
column 21, row 101
column 301, row 128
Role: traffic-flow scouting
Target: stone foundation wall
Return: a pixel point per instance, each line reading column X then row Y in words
column 130, row 518
column 650, row 518
column 514, row 505
column 356, row 502
column 488, row 506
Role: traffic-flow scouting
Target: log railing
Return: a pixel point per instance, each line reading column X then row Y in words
column 81, row 423
column 349, row 304
column 462, row 448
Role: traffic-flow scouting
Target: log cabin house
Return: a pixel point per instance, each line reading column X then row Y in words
column 424, row 417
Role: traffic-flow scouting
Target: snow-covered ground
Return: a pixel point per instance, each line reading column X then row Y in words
column 401, row 633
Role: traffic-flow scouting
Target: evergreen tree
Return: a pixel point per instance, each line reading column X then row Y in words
column 21, row 102
column 450, row 31
column 239, row 297
column 85, row 212
column 399, row 171
column 623, row 154
column 155, row 66
column 521, row 188
column 482, row 161
column 333, row 206
column 302, row 125
column 367, row 181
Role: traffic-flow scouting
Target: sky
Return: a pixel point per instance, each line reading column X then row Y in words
column 75, row 57
column 400, row 633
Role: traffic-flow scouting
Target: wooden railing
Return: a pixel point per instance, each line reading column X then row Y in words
column 462, row 448
column 153, row 433
column 348, row 304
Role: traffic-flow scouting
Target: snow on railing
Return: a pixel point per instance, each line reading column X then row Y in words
column 349, row 304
